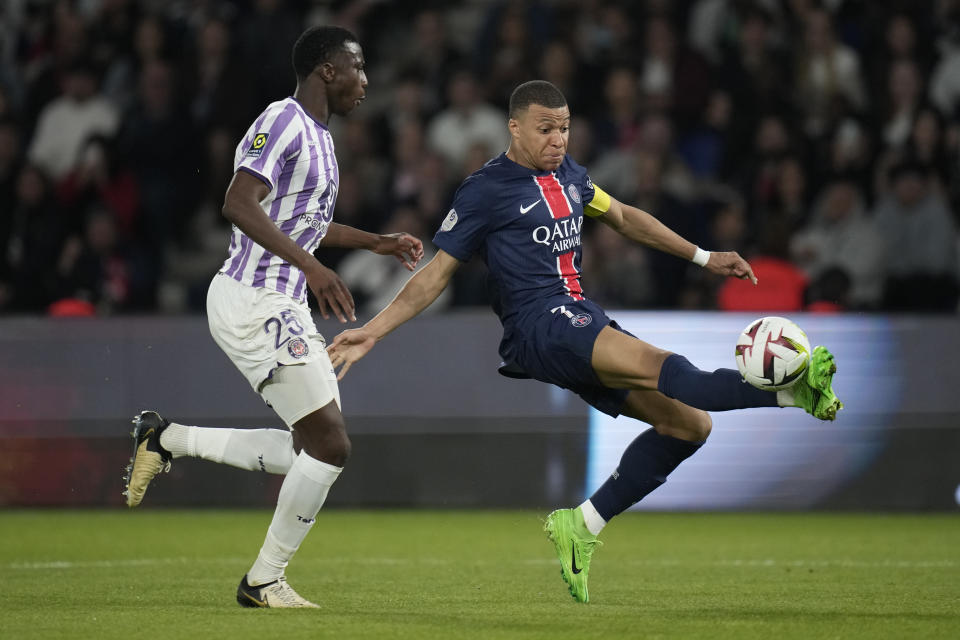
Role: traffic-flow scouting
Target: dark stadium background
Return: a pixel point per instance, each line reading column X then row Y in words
column 713, row 115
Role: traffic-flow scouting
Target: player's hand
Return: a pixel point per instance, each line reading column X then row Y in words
column 348, row 347
column 729, row 263
column 407, row 249
column 331, row 293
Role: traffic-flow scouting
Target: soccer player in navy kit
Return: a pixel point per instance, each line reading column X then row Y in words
column 523, row 213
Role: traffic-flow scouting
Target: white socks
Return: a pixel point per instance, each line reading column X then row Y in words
column 301, row 496
column 269, row 450
column 592, row 518
column 785, row 398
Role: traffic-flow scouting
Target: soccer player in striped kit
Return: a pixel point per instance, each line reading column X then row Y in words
column 281, row 202
column 523, row 213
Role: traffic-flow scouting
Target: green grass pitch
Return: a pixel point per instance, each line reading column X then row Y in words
column 482, row 574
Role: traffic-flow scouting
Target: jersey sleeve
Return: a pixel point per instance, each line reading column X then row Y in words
column 273, row 139
column 467, row 224
column 596, row 201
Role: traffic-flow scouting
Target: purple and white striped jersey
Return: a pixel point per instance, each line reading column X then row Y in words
column 293, row 154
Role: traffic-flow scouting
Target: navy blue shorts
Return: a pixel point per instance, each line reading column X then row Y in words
column 557, row 347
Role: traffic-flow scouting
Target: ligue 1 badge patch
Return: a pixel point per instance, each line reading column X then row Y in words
column 297, row 347
column 256, row 147
column 449, row 221
column 581, row 320
column 574, row 193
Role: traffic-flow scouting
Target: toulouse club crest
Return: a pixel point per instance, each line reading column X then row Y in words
column 574, row 193
column 297, row 347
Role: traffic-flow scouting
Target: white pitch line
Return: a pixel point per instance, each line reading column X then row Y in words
column 431, row 561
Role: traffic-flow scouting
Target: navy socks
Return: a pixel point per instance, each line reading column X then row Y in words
column 720, row 390
column 645, row 465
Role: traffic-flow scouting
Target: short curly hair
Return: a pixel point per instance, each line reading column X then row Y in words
column 539, row 92
column 317, row 45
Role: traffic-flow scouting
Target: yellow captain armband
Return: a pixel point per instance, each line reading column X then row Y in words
column 599, row 205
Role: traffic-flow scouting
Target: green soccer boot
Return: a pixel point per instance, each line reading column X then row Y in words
column 814, row 391
column 574, row 545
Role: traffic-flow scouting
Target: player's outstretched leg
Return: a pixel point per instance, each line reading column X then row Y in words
column 574, row 545
column 814, row 391
column 149, row 458
column 273, row 595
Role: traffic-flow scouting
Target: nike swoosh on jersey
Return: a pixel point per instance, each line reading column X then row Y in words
column 524, row 209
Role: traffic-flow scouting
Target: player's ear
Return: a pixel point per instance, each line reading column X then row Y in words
column 514, row 127
column 326, row 70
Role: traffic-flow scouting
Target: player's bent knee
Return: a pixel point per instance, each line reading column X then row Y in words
column 323, row 435
column 694, row 426
column 704, row 425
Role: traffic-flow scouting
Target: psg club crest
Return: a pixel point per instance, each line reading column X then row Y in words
column 581, row 320
column 297, row 347
column 574, row 193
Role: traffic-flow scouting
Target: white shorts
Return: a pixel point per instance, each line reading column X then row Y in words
column 261, row 331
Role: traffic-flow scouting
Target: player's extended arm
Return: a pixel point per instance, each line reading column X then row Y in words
column 641, row 227
column 241, row 206
column 407, row 249
column 415, row 296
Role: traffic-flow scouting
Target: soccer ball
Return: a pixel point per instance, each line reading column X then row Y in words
column 772, row 353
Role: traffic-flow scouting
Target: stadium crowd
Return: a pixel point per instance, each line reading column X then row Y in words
column 821, row 140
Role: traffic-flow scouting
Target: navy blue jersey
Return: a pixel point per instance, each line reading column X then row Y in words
column 526, row 225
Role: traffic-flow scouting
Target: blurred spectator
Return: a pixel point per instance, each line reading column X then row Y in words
column 112, row 28
column 11, row 158
column 616, row 271
column 606, row 33
column 216, row 81
column 617, row 169
column 842, row 235
column 829, row 293
column 754, row 69
column 828, row 75
column 787, row 208
column 921, row 243
column 898, row 41
column 466, row 121
column 506, row 50
column 725, row 100
column 581, row 145
column 357, row 154
column 649, row 194
column 375, row 280
column 704, row 147
column 928, row 144
column 672, row 76
column 35, row 241
column 850, row 152
column 903, row 96
column 150, row 44
column 408, row 104
column 559, row 66
column 430, row 54
column 265, row 36
column 618, row 125
column 781, row 286
column 757, row 177
column 409, row 150
column 69, row 120
column 945, row 78
column 54, row 42
column 100, row 183
column 160, row 146
column 93, row 267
